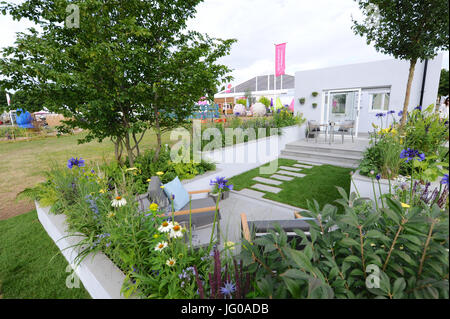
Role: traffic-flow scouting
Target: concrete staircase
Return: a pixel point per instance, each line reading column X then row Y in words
column 345, row 155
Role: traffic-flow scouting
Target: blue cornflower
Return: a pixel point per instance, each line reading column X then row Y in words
column 228, row 288
column 411, row 154
column 221, row 183
column 75, row 162
column 444, row 180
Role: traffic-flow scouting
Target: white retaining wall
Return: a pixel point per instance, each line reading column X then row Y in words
column 101, row 278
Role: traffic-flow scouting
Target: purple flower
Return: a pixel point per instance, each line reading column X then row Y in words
column 391, row 112
column 444, row 180
column 75, row 162
column 411, row 154
column 380, row 115
column 378, row 177
column 419, row 108
column 221, row 183
column 228, row 289
column 400, row 113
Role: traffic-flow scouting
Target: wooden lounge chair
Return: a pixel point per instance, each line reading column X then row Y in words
column 199, row 211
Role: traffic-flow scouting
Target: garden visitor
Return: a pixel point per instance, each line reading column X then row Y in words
column 443, row 109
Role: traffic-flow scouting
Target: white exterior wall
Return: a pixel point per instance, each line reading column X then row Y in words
column 392, row 74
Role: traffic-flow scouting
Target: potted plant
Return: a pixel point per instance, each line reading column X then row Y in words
column 314, row 94
column 302, row 100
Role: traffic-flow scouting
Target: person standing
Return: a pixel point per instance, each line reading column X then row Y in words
column 443, row 109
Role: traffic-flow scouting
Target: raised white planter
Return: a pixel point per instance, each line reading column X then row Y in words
column 101, row 278
column 365, row 187
column 236, row 159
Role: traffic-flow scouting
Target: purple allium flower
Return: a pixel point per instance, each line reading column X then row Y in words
column 75, row 162
column 228, row 289
column 444, row 180
column 411, row 154
column 380, row 115
column 419, row 108
column 378, row 177
column 391, row 112
column 400, row 113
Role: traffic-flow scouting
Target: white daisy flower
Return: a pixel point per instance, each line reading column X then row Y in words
column 176, row 231
column 118, row 202
column 161, row 246
column 171, row 262
column 165, row 227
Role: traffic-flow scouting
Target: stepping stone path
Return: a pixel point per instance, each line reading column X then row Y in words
column 302, row 166
column 251, row 193
column 282, row 177
column 267, row 181
column 266, row 188
column 291, row 173
column 288, row 168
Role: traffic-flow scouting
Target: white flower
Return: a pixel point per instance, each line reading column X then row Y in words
column 161, row 246
column 176, row 231
column 171, row 262
column 118, row 202
column 165, row 227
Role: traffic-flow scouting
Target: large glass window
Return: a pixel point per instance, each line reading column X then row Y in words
column 379, row 101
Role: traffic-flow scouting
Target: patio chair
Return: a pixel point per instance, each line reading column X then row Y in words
column 257, row 228
column 313, row 128
column 347, row 127
column 202, row 211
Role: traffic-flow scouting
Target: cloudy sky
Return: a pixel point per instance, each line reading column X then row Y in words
column 318, row 33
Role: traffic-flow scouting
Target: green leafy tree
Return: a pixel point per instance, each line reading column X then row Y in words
column 3, row 102
column 443, row 83
column 407, row 29
column 127, row 67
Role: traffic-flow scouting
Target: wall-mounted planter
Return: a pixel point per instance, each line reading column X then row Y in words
column 314, row 94
column 314, row 105
column 301, row 100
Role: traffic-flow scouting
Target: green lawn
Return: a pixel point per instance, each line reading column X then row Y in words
column 22, row 163
column 31, row 265
column 319, row 183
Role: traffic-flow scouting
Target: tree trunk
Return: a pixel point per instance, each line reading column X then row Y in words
column 158, row 138
column 129, row 150
column 412, row 67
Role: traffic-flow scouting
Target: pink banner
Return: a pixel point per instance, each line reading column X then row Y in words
column 280, row 66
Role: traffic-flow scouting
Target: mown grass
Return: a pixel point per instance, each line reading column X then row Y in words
column 31, row 265
column 319, row 183
column 22, row 163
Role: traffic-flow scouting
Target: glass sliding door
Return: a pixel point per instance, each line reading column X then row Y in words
column 342, row 105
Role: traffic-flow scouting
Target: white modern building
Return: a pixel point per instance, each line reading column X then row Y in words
column 359, row 91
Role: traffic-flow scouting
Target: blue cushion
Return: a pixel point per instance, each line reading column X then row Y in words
column 175, row 187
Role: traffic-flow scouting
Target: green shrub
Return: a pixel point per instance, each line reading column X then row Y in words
column 264, row 101
column 406, row 249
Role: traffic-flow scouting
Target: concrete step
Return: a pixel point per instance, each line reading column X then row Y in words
column 302, row 153
column 267, row 181
column 323, row 148
column 251, row 193
column 266, row 188
column 321, row 160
